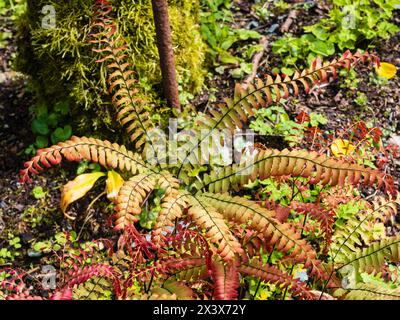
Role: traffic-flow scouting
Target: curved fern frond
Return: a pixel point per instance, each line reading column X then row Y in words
column 217, row 232
column 282, row 235
column 273, row 275
column 271, row 163
column 234, row 112
column 107, row 154
column 131, row 111
column 226, row 280
column 130, row 199
column 263, row 93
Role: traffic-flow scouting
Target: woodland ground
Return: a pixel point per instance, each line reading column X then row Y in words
column 16, row 135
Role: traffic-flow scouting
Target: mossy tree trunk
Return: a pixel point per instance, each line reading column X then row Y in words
column 164, row 44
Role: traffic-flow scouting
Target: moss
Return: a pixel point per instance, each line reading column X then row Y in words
column 63, row 66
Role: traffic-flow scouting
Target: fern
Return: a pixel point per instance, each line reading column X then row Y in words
column 202, row 233
column 280, row 235
column 131, row 110
column 373, row 258
column 271, row 274
column 272, row 163
column 261, row 94
column 352, row 235
column 226, row 278
column 77, row 149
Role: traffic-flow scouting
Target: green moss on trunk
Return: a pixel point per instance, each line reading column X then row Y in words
column 62, row 65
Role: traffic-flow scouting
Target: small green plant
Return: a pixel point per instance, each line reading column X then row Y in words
column 9, row 252
column 221, row 38
column 49, row 126
column 350, row 24
column 275, row 121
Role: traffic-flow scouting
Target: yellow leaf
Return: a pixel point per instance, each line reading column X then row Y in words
column 386, row 70
column 342, row 147
column 78, row 187
column 113, row 184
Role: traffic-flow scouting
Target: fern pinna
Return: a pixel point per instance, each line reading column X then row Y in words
column 204, row 231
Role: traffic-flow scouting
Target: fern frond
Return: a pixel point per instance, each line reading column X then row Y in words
column 385, row 208
column 271, row 163
column 271, row 274
column 172, row 205
column 63, row 294
column 93, row 289
column 26, row 295
column 226, row 280
column 370, row 291
column 193, row 274
column 130, row 199
column 282, row 235
column 234, row 112
column 178, row 288
column 131, row 111
column 207, row 218
column 81, row 275
column 318, row 213
column 107, row 154
column 159, row 294
column 373, row 258
column 356, row 231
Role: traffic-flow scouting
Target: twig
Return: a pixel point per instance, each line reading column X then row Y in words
column 289, row 20
column 256, row 62
column 89, row 215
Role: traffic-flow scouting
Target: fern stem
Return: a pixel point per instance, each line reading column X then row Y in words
column 259, row 280
column 348, row 237
column 291, row 269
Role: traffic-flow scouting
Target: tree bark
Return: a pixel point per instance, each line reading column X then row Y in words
column 164, row 44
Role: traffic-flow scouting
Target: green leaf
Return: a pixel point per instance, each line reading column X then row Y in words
column 42, row 142
column 62, row 107
column 245, row 34
column 61, row 134
column 324, row 48
column 38, row 192
column 318, row 31
column 39, row 126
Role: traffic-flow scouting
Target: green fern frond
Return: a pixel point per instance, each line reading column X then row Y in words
column 281, row 235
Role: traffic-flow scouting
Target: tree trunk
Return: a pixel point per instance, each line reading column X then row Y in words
column 164, row 44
